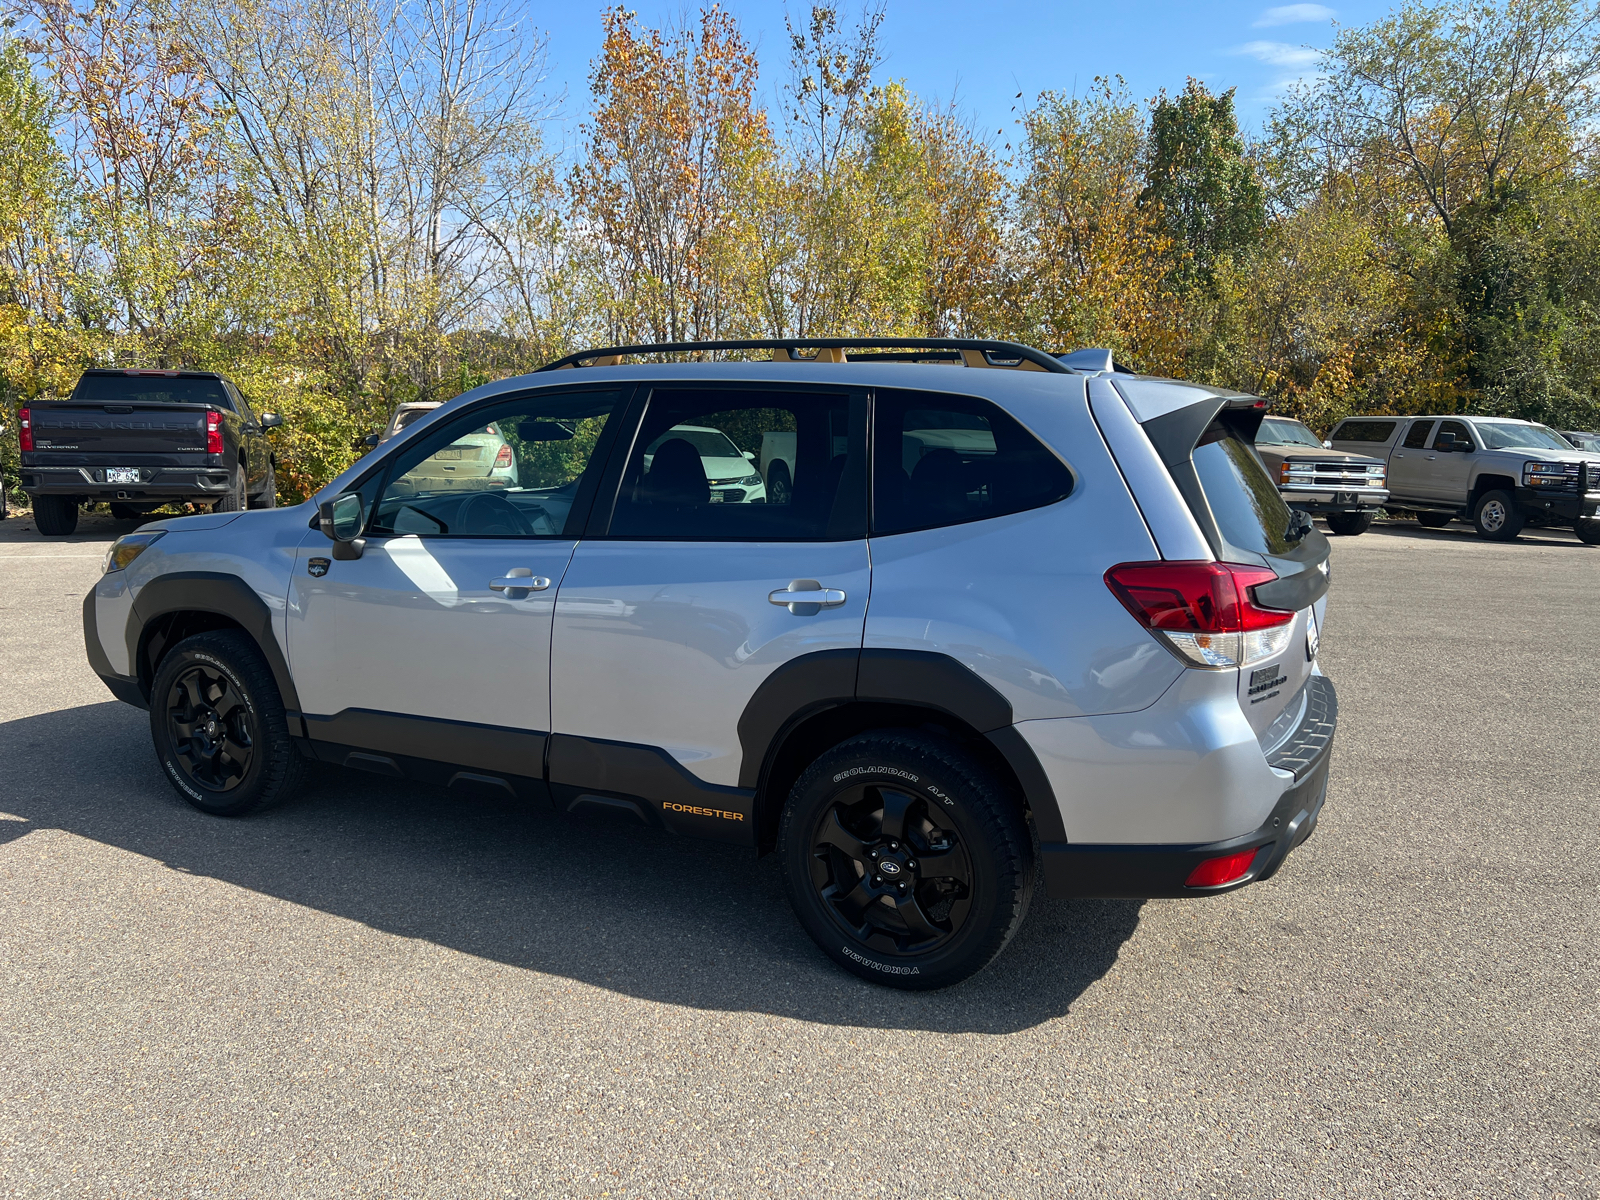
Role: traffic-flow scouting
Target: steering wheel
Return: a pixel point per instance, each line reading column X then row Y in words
column 490, row 513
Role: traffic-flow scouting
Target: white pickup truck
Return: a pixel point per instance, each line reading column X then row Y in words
column 1499, row 473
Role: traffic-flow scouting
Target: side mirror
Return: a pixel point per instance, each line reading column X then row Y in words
column 341, row 521
column 1445, row 442
column 271, row 420
column 750, row 454
column 371, row 440
column 1326, row 444
column 1463, row 447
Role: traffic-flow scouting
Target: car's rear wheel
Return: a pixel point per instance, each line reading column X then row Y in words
column 780, row 488
column 268, row 496
column 218, row 725
column 906, row 859
column 234, row 499
column 126, row 512
column 55, row 516
column 1434, row 520
column 1348, row 524
column 1497, row 517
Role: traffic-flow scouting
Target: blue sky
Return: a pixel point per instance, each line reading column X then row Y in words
column 983, row 54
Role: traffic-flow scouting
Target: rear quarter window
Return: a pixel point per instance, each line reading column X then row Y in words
column 1364, row 431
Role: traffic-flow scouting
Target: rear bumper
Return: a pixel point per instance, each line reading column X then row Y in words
column 1156, row 871
column 155, row 483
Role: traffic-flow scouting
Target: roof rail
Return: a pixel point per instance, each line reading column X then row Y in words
column 971, row 352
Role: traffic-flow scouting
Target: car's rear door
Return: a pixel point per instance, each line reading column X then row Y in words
column 436, row 641
column 674, row 610
column 1408, row 464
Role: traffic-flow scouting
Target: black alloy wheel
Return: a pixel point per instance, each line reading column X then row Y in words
column 891, row 872
column 213, row 733
column 906, row 859
column 218, row 725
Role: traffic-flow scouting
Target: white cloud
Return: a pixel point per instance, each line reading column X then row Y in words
column 1294, row 14
column 1279, row 54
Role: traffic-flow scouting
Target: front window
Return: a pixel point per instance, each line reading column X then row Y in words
column 1276, row 431
column 517, row 475
column 1503, row 435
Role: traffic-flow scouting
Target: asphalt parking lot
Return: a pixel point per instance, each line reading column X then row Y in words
column 383, row 990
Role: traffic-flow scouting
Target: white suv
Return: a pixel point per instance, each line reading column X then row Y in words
column 1020, row 618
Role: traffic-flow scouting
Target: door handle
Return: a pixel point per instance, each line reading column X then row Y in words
column 519, row 580
column 1432, row 457
column 806, row 597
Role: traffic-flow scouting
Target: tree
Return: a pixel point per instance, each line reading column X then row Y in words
column 1202, row 181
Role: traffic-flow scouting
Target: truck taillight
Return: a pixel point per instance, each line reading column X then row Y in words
column 213, row 432
column 503, row 459
column 1206, row 611
column 25, row 430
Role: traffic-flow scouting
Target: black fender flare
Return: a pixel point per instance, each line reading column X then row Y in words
column 804, row 686
column 212, row 592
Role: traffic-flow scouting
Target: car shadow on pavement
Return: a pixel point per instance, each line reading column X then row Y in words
column 632, row 910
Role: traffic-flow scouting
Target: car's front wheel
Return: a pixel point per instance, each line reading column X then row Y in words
column 906, row 859
column 1497, row 517
column 218, row 725
column 1434, row 520
column 1349, row 524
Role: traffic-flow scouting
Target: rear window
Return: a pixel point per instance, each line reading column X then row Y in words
column 1364, row 431
column 151, row 389
column 1249, row 512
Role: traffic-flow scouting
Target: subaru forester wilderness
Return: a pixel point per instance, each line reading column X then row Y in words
column 1035, row 616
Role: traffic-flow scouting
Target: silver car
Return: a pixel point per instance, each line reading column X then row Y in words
column 1032, row 622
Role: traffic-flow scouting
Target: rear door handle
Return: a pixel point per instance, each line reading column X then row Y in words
column 519, row 581
column 806, row 597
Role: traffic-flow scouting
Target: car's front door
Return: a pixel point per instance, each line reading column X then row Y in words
column 668, row 622
column 1448, row 470
column 435, row 643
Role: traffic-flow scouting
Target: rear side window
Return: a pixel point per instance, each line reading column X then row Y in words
column 1364, row 431
column 1249, row 512
column 945, row 460
column 1417, row 435
column 151, row 389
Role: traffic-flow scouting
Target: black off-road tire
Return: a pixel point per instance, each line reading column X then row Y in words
column 234, row 499
column 1430, row 520
column 126, row 512
column 243, row 759
column 55, row 516
column 1349, row 524
column 902, row 805
column 1497, row 517
column 268, row 496
column 1588, row 532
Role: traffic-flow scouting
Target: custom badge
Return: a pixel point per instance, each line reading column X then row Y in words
column 318, row 566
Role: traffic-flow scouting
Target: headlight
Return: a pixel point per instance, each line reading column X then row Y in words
column 128, row 547
column 1377, row 472
column 750, row 481
column 1547, row 474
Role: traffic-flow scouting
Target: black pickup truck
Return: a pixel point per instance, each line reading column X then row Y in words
column 139, row 439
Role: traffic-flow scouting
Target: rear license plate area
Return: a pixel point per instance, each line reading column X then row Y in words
column 122, row 474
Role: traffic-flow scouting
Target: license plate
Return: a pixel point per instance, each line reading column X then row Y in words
column 1345, row 498
column 122, row 474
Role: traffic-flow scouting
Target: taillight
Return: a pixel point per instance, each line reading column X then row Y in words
column 503, row 459
column 213, row 433
column 1206, row 611
column 25, row 430
column 1215, row 872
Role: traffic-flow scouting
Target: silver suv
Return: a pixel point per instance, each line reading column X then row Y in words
column 1019, row 619
column 1497, row 472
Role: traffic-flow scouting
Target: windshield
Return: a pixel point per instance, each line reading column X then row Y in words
column 1585, row 441
column 1502, row 435
column 708, row 443
column 1275, row 431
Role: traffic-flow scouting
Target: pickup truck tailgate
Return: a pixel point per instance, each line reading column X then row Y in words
column 142, row 435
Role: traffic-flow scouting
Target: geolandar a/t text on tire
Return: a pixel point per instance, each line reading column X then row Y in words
column 638, row 589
